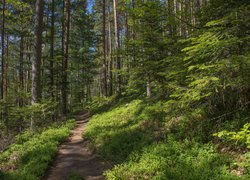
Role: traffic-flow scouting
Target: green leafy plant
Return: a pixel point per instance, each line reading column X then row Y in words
column 241, row 138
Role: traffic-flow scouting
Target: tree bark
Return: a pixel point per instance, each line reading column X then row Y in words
column 36, row 64
column 21, row 74
column 105, row 88
column 65, row 58
column 148, row 86
column 3, row 49
column 52, row 31
column 110, row 54
column 117, row 47
column 6, row 64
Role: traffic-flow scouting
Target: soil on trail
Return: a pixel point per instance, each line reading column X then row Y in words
column 75, row 159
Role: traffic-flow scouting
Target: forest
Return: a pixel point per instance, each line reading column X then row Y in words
column 154, row 89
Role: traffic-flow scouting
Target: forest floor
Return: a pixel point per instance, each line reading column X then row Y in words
column 74, row 158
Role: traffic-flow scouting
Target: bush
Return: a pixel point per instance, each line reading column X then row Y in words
column 240, row 138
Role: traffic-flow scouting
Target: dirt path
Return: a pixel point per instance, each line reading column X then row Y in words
column 75, row 158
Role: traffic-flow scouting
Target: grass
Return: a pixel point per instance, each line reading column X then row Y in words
column 30, row 156
column 144, row 143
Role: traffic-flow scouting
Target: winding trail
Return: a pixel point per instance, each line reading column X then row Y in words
column 75, row 158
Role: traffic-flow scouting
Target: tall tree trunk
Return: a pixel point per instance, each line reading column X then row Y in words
column 5, row 83
column 60, row 65
column 29, row 71
column 21, row 74
column 117, row 47
column 110, row 54
column 5, row 75
column 65, row 57
column 3, row 49
column 105, row 86
column 180, row 17
column 52, row 48
column 36, row 64
column 133, row 34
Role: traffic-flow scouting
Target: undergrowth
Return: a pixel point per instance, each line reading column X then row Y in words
column 29, row 157
column 145, row 141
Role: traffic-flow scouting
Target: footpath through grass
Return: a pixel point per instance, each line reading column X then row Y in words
column 31, row 154
column 145, row 143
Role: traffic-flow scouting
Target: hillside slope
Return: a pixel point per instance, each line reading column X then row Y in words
column 145, row 141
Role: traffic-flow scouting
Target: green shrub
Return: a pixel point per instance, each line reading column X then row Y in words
column 23, row 137
column 240, row 138
column 99, row 104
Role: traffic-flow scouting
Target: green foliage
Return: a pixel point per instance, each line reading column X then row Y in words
column 127, row 135
column 151, row 111
column 200, row 86
column 82, row 67
column 194, row 56
column 245, row 163
column 150, row 46
column 240, row 138
column 174, row 160
column 24, row 137
column 30, row 156
column 115, row 125
column 218, row 54
column 19, row 117
column 99, row 104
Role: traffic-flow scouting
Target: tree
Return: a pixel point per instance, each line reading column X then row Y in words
column 110, row 51
column 64, row 87
column 36, row 64
column 3, row 49
column 117, row 47
column 104, row 50
column 52, row 31
column 82, row 66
